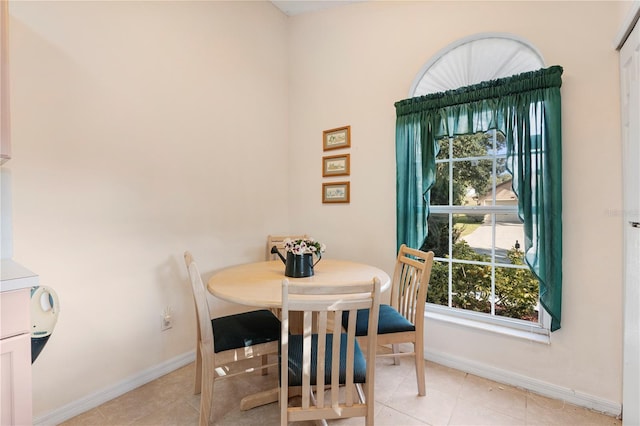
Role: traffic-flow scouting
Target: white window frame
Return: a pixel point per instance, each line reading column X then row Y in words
column 533, row 331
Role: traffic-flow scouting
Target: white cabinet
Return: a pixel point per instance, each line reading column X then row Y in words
column 15, row 343
column 15, row 358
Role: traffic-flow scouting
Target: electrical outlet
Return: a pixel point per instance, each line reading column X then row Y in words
column 167, row 319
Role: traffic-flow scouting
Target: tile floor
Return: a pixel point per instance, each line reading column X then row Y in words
column 453, row 398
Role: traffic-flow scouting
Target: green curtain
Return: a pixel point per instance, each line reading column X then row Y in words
column 527, row 109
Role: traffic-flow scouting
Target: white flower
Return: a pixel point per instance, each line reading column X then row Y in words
column 303, row 246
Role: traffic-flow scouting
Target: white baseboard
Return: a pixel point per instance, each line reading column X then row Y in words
column 537, row 386
column 95, row 399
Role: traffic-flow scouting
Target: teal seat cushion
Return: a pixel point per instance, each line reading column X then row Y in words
column 389, row 321
column 295, row 360
column 245, row 329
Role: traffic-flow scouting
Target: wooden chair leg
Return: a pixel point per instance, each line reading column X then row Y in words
column 283, row 411
column 396, row 349
column 418, row 348
column 198, row 379
column 206, row 404
column 369, row 418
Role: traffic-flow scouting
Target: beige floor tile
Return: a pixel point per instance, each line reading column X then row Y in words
column 467, row 413
column 546, row 411
column 90, row 418
column 543, row 411
column 389, row 417
column 390, row 376
column 435, row 408
column 265, row 415
column 134, row 405
column 581, row 416
column 477, row 391
column 453, row 398
column 444, row 379
column 180, row 413
column 442, row 388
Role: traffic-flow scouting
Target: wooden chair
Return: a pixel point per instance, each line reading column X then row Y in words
column 225, row 340
column 403, row 320
column 278, row 241
column 322, row 359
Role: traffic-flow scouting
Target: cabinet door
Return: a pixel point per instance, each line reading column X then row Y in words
column 15, row 380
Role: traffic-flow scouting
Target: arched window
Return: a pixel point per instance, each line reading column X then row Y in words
column 472, row 60
column 475, row 228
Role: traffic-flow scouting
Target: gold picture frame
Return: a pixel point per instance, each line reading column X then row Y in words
column 336, row 192
column 337, row 138
column 336, row 165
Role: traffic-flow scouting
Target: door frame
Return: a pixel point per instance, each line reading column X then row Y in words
column 631, row 364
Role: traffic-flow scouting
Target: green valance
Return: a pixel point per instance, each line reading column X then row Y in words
column 485, row 91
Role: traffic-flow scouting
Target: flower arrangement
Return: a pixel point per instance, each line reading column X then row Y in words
column 302, row 246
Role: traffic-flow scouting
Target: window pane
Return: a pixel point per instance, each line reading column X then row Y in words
column 509, row 236
column 472, row 237
column 471, row 287
column 476, row 145
column 477, row 232
column 504, row 192
column 444, row 149
column 438, row 291
column 500, row 144
column 440, row 189
column 471, row 283
column 501, row 169
column 472, row 182
column 516, row 292
column 438, row 238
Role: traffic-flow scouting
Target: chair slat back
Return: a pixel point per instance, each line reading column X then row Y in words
column 318, row 306
column 410, row 282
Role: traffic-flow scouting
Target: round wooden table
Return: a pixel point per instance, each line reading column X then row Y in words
column 260, row 283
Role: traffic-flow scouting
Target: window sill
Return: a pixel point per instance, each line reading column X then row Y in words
column 532, row 333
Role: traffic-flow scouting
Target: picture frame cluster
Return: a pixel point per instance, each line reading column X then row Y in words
column 336, row 165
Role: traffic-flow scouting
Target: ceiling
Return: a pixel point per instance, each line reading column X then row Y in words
column 297, row 7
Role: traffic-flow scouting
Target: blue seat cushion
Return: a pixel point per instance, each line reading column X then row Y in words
column 245, row 329
column 389, row 321
column 295, row 360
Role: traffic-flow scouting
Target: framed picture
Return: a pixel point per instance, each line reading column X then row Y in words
column 335, row 192
column 335, row 165
column 336, row 138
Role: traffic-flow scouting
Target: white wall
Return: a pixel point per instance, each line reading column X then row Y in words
column 140, row 129
column 348, row 67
